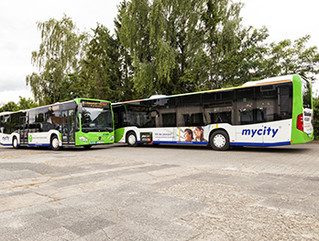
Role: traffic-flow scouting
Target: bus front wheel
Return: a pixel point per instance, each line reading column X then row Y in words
column 219, row 140
column 15, row 143
column 131, row 139
column 54, row 143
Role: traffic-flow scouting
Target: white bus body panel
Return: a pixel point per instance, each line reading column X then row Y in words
column 6, row 139
column 42, row 138
column 264, row 134
column 34, row 139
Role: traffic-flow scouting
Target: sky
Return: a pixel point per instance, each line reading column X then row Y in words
column 19, row 36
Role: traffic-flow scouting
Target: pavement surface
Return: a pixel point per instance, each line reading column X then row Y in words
column 160, row 193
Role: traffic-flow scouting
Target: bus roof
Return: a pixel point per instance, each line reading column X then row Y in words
column 43, row 106
column 269, row 80
column 6, row 113
column 273, row 80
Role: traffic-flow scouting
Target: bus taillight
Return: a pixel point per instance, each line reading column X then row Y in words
column 300, row 122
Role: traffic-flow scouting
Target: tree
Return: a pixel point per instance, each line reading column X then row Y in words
column 10, row 106
column 23, row 104
column 290, row 57
column 162, row 39
column 61, row 48
column 162, row 47
column 126, row 65
column 183, row 46
column 220, row 26
column 101, row 67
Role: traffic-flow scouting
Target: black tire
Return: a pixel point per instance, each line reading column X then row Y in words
column 87, row 147
column 54, row 143
column 219, row 140
column 15, row 144
column 131, row 139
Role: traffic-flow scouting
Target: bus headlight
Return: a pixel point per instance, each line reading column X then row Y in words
column 81, row 138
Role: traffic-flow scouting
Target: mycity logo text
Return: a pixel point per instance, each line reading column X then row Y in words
column 266, row 131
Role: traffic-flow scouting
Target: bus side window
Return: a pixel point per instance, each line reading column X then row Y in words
column 245, row 106
column 218, row 107
column 169, row 120
column 266, row 103
column 284, row 101
column 221, row 117
column 6, row 124
column 195, row 119
column 1, row 124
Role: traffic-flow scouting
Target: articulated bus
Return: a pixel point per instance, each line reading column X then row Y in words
column 79, row 122
column 270, row 112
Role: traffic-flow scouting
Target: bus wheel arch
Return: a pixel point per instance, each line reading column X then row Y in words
column 219, row 140
column 15, row 143
column 54, row 142
column 131, row 138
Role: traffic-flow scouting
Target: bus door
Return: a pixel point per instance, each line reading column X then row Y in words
column 68, row 127
column 24, row 130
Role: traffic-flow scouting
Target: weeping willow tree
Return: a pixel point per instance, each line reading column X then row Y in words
column 58, row 58
column 164, row 40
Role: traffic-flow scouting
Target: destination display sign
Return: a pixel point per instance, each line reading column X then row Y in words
column 96, row 104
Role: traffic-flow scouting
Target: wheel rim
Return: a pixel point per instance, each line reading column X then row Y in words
column 15, row 142
column 132, row 140
column 219, row 141
column 55, row 143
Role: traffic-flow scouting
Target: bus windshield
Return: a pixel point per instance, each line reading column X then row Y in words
column 96, row 119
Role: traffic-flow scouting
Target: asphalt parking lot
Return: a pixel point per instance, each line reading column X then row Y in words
column 160, row 193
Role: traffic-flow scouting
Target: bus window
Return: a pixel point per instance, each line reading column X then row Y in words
column 189, row 110
column 221, row 117
column 306, row 94
column 218, row 107
column 140, row 115
column 266, row 103
column 6, row 126
column 245, row 106
column 169, row 120
column 284, row 99
column 195, row 119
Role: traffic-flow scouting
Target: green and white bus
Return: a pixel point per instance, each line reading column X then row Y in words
column 79, row 122
column 270, row 112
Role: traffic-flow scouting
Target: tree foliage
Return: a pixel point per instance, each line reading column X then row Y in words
column 23, row 104
column 162, row 47
column 58, row 57
column 289, row 57
column 182, row 46
column 101, row 67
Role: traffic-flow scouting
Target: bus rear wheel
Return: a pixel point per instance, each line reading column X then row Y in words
column 131, row 139
column 15, row 143
column 54, row 143
column 219, row 140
